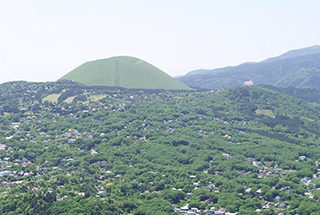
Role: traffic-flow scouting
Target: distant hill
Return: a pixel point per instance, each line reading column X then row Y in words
column 198, row 72
column 123, row 71
column 296, row 68
column 296, row 53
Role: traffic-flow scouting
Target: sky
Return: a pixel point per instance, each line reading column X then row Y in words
column 44, row 40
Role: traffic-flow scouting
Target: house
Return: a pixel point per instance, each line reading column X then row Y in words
column 93, row 152
column 211, row 211
column 70, row 141
column 282, row 205
column 196, row 210
column 62, row 198
column 226, row 155
column 190, row 213
column 179, row 210
column 302, row 157
column 189, row 194
column 304, row 180
column 5, row 184
column 17, row 182
column 185, row 208
column 308, row 195
column 5, row 173
column 248, row 83
column 210, row 185
column 247, row 190
column 222, row 209
column 35, row 189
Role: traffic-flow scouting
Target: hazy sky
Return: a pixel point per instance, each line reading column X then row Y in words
column 43, row 40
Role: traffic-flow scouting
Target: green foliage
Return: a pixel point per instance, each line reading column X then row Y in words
column 141, row 151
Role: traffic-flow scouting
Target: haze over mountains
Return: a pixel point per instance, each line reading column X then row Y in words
column 123, row 71
column 296, row 68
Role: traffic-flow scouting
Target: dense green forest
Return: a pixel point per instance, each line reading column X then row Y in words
column 66, row 148
column 311, row 95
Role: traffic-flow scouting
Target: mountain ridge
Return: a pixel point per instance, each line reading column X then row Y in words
column 296, row 68
column 296, row 53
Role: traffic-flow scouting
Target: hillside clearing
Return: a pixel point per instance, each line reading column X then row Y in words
column 265, row 112
column 51, row 98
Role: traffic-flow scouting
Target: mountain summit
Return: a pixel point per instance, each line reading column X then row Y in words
column 296, row 53
column 123, row 71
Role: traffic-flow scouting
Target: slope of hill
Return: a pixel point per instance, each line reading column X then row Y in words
column 241, row 148
column 134, row 151
column 306, row 94
column 123, row 71
column 298, row 68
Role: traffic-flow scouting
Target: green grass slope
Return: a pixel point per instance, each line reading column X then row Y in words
column 123, row 71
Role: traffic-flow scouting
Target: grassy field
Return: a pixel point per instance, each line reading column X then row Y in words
column 90, row 98
column 128, row 72
column 69, row 99
column 51, row 98
column 96, row 97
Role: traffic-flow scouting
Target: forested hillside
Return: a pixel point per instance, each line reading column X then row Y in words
column 309, row 95
column 297, row 68
column 73, row 149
